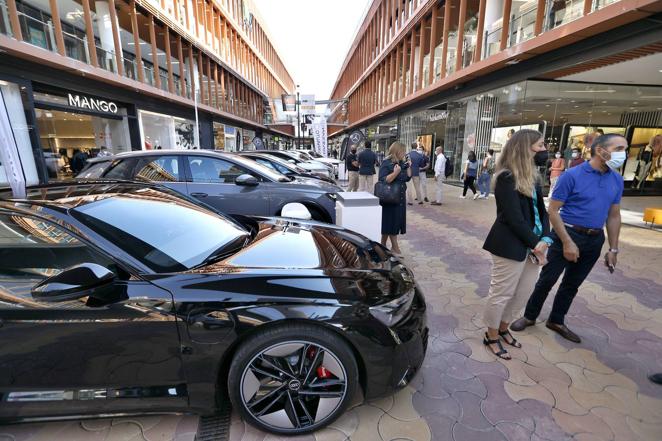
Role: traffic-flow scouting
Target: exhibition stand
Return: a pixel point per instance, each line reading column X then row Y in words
column 360, row 211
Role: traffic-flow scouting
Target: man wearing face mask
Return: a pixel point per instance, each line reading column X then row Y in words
column 576, row 158
column 585, row 199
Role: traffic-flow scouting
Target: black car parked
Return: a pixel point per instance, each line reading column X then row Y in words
column 117, row 298
column 230, row 183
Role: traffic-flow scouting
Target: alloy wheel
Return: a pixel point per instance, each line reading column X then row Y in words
column 293, row 385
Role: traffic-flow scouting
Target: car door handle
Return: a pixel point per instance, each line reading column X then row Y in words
column 199, row 195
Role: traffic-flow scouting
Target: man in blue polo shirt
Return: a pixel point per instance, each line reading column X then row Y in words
column 367, row 161
column 585, row 198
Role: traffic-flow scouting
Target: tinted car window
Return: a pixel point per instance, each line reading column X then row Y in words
column 272, row 165
column 164, row 236
column 121, row 169
column 94, row 170
column 158, row 169
column 214, row 170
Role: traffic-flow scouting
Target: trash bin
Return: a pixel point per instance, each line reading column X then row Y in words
column 360, row 211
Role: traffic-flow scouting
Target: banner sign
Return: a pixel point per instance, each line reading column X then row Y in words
column 289, row 103
column 344, row 147
column 9, row 155
column 356, row 138
column 320, row 136
column 258, row 143
column 307, row 105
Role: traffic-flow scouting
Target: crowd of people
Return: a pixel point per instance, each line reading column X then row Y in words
column 531, row 244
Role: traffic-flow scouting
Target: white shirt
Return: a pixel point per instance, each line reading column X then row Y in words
column 440, row 166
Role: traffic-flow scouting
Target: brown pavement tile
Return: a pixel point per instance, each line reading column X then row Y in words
column 579, row 380
column 588, row 423
column 368, row 417
column 589, row 400
column 187, row 427
column 514, row 432
column 517, row 373
column 535, row 392
column 462, row 433
column 617, row 424
column 330, row 434
column 391, row 429
column 403, row 407
column 548, row 372
column 589, row 437
column 646, row 431
column 637, row 408
column 614, row 379
column 563, row 401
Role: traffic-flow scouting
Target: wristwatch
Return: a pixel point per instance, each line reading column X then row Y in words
column 613, row 250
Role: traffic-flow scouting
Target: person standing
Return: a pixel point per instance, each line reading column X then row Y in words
column 367, row 161
column 439, row 173
column 518, row 239
column 557, row 168
column 394, row 216
column 423, row 172
column 417, row 162
column 485, row 179
column 576, row 158
column 585, row 199
column 470, row 172
column 352, row 165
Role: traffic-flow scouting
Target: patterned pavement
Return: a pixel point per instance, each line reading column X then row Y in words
column 552, row 390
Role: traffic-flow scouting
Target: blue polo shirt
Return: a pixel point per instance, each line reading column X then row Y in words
column 587, row 195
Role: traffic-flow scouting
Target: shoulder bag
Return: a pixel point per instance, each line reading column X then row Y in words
column 388, row 194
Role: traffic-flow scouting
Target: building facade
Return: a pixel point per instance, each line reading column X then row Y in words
column 119, row 75
column 464, row 73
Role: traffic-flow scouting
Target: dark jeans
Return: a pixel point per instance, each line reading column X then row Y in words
column 469, row 183
column 590, row 248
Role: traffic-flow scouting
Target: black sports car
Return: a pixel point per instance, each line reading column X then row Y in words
column 119, row 298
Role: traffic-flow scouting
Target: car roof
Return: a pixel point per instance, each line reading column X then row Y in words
column 195, row 152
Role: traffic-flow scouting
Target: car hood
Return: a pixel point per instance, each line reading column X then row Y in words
column 317, row 183
column 305, row 259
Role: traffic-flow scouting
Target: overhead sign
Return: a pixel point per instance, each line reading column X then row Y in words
column 307, row 105
column 320, row 136
column 89, row 103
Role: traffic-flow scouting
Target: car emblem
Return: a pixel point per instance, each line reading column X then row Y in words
column 294, row 385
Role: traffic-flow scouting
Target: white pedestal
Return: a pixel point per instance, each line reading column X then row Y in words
column 342, row 172
column 360, row 211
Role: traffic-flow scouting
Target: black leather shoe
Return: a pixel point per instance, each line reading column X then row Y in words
column 522, row 323
column 564, row 332
column 426, row 199
column 656, row 378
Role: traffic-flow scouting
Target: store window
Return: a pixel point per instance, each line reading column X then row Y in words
column 248, row 136
column 75, row 127
column 14, row 99
column 159, row 131
column 219, row 136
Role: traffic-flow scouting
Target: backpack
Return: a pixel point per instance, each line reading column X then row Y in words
column 448, row 167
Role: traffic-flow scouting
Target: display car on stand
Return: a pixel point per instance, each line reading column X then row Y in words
column 123, row 298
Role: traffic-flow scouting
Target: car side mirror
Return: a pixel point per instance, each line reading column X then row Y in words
column 86, row 279
column 246, row 180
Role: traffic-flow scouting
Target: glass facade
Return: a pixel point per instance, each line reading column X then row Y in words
column 158, row 131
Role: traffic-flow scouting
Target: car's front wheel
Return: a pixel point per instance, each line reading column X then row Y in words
column 292, row 379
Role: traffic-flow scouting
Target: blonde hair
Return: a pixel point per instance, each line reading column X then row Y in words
column 396, row 150
column 516, row 159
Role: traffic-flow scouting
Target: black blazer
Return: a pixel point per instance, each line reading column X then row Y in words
column 512, row 234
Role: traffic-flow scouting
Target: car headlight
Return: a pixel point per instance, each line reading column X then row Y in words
column 392, row 312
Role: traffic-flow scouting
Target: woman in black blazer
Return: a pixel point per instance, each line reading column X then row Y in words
column 518, row 239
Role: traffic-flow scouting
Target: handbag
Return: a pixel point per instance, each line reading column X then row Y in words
column 388, row 194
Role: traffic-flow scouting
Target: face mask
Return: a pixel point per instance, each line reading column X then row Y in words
column 575, row 155
column 617, row 160
column 557, row 156
column 540, row 158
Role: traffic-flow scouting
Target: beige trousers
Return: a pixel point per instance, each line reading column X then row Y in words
column 415, row 188
column 353, row 181
column 365, row 183
column 512, row 284
column 439, row 185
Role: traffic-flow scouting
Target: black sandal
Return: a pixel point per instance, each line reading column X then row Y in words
column 514, row 343
column 501, row 353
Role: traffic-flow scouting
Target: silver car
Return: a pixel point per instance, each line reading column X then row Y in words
column 230, row 183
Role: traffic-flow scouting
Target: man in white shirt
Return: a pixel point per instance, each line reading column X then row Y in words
column 439, row 173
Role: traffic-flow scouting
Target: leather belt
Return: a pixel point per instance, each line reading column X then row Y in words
column 584, row 230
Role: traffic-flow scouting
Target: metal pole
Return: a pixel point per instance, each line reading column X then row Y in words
column 298, row 123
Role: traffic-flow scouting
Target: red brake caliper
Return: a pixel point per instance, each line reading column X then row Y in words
column 322, row 372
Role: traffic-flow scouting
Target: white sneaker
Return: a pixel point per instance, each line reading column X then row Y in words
column 476, row 196
column 463, row 197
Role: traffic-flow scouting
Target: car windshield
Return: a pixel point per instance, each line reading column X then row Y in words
column 313, row 154
column 261, row 169
column 165, row 236
column 305, row 156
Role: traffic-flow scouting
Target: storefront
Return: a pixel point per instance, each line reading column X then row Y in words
column 71, row 124
column 566, row 113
